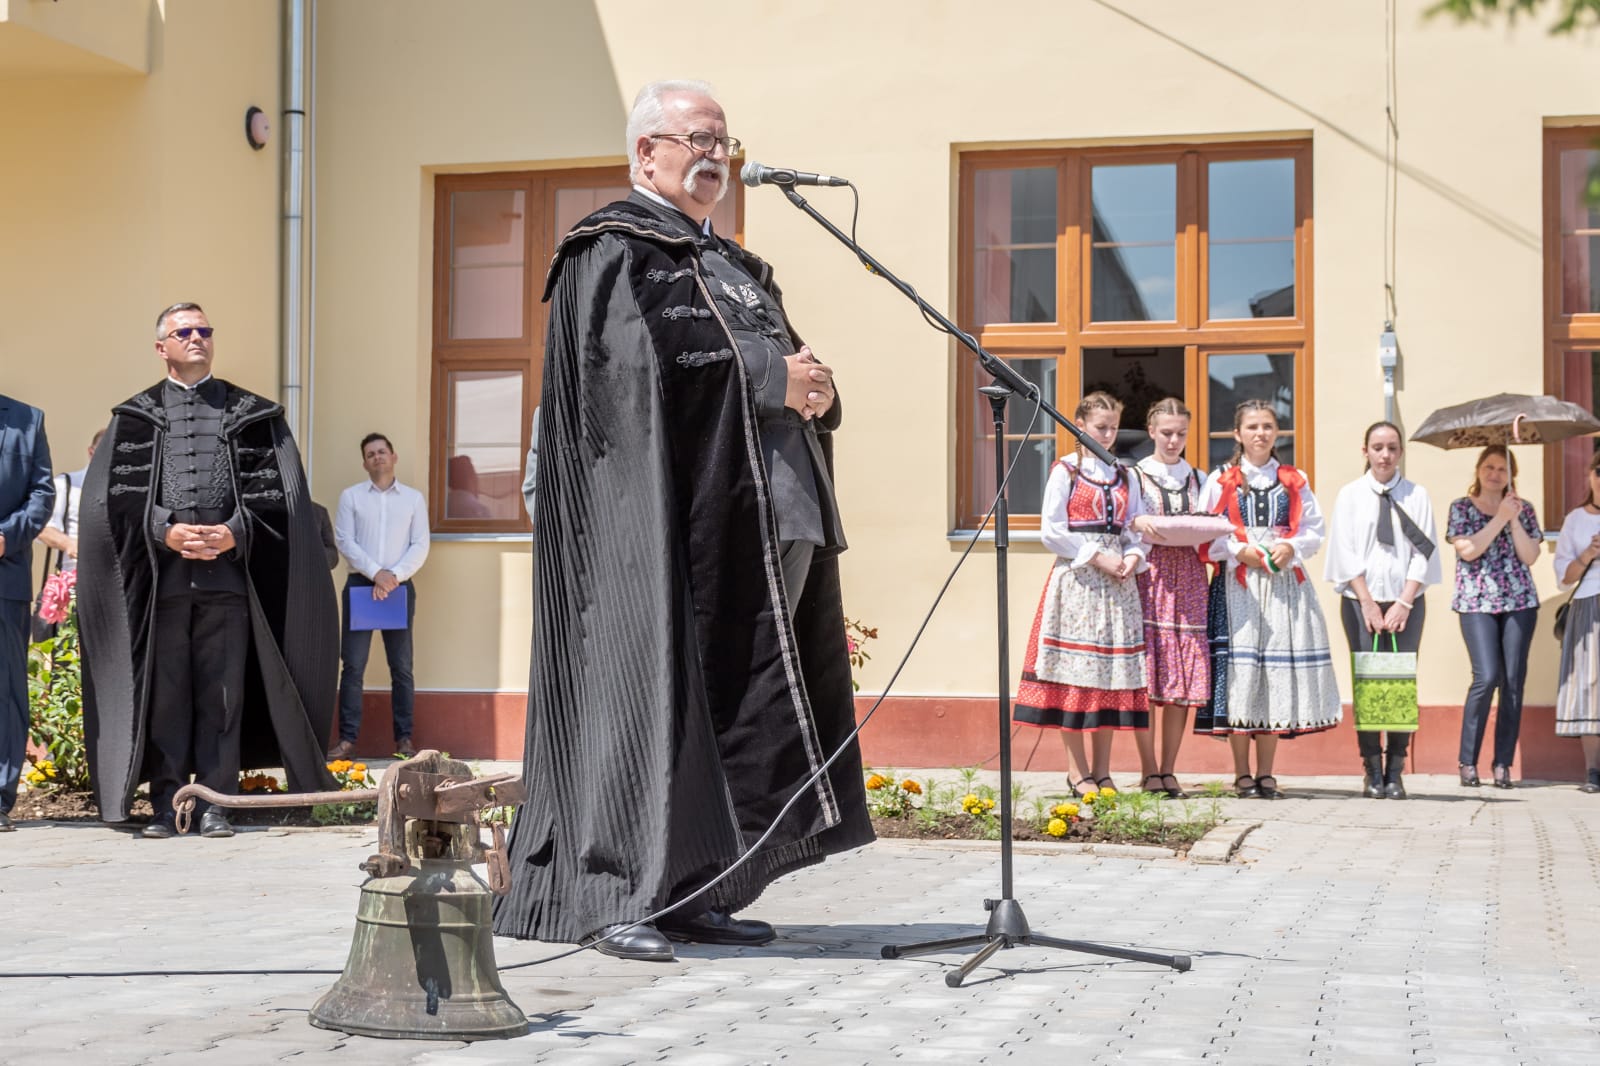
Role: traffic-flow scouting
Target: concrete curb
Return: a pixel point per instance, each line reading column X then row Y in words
column 1031, row 847
column 1219, row 845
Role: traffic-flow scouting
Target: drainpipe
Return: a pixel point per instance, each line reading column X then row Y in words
column 292, row 249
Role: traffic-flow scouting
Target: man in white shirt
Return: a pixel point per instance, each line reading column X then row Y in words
column 381, row 527
column 61, row 532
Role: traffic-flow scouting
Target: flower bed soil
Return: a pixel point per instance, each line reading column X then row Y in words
column 64, row 805
column 966, row 827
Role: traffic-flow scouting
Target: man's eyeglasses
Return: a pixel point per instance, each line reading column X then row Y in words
column 706, row 141
column 183, row 333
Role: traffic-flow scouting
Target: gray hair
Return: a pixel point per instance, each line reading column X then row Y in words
column 649, row 117
column 161, row 319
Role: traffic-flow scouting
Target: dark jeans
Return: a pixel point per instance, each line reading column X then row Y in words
column 16, row 624
column 1359, row 637
column 201, row 642
column 1498, row 645
column 355, row 647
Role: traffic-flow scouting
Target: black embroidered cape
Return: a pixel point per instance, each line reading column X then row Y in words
column 291, row 677
column 672, row 708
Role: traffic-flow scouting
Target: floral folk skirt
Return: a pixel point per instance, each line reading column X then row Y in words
column 1085, row 664
column 1271, row 664
column 1177, row 656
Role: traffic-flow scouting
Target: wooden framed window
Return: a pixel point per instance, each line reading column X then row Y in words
column 1151, row 271
column 494, row 235
column 1572, row 303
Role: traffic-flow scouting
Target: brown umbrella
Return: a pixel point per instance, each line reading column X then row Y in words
column 1506, row 419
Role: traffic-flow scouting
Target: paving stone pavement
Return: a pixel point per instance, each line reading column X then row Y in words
column 1459, row 927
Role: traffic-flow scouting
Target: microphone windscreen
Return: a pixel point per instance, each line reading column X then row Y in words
column 750, row 174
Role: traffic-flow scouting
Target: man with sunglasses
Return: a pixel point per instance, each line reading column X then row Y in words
column 690, row 674
column 210, row 628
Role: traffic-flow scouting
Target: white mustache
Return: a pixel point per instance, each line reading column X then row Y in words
column 707, row 166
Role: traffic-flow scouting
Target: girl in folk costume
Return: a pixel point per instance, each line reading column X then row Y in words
column 1084, row 670
column 1173, row 593
column 1578, row 694
column 1381, row 557
column 1271, row 667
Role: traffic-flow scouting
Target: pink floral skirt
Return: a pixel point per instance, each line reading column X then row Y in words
column 1177, row 657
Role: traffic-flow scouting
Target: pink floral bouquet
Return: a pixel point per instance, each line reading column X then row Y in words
column 55, row 603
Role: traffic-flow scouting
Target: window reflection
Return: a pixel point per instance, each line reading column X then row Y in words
column 1014, row 245
column 1580, row 232
column 1250, row 216
column 1134, row 274
column 483, row 464
column 1235, row 378
column 486, row 263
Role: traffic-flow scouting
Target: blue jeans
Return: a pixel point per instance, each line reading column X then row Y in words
column 1498, row 646
column 356, row 647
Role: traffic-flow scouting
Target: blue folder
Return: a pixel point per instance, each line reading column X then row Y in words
column 369, row 613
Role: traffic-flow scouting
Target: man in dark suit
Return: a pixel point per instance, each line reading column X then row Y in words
column 27, row 493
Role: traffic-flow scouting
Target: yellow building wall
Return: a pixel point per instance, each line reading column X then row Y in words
column 123, row 193
column 881, row 92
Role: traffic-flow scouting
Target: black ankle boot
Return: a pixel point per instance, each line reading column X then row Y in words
column 1374, row 784
column 1393, row 787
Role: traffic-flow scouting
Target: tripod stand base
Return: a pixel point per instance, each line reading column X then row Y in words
column 1008, row 928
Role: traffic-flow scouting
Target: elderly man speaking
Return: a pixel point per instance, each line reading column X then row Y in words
column 690, row 673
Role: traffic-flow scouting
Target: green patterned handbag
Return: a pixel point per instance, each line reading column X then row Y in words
column 1385, row 683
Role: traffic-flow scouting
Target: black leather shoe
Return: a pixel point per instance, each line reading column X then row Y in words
column 1592, row 784
column 161, row 828
column 1469, row 776
column 1372, row 786
column 5, row 823
column 1502, row 777
column 214, row 824
column 1394, row 786
column 642, row 943
column 716, row 927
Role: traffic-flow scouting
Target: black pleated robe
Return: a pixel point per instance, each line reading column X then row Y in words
column 673, row 708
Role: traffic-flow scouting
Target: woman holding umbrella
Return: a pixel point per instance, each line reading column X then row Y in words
column 1496, row 536
column 1578, row 697
column 1381, row 558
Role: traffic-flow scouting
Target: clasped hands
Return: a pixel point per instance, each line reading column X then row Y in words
column 810, row 389
column 1119, row 568
column 1255, row 556
column 199, row 542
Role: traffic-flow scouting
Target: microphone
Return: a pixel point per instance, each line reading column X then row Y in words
column 753, row 174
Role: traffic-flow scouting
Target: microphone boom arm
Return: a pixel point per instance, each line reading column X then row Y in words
column 997, row 368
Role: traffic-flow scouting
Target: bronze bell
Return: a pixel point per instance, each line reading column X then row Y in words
column 421, row 963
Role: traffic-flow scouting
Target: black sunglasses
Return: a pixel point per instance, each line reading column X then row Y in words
column 183, row 333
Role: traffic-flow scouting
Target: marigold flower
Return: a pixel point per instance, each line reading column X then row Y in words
column 911, row 787
column 359, row 766
column 1056, row 828
column 1108, row 792
column 1090, row 796
column 877, row 781
column 358, row 775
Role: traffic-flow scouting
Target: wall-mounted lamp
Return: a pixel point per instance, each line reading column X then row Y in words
column 1388, row 360
column 256, row 128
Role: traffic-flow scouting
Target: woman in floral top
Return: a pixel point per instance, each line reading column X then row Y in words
column 1496, row 536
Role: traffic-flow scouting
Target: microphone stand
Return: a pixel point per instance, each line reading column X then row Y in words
column 1007, row 926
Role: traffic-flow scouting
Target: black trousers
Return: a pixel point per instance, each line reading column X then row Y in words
column 355, row 648
column 201, row 644
column 1359, row 638
column 16, row 621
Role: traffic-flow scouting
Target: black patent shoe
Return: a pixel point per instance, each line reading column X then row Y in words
column 1502, row 777
column 642, row 943
column 1244, row 791
column 1269, row 792
column 164, row 827
column 214, row 825
column 1592, row 784
column 717, row 927
column 1469, row 776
